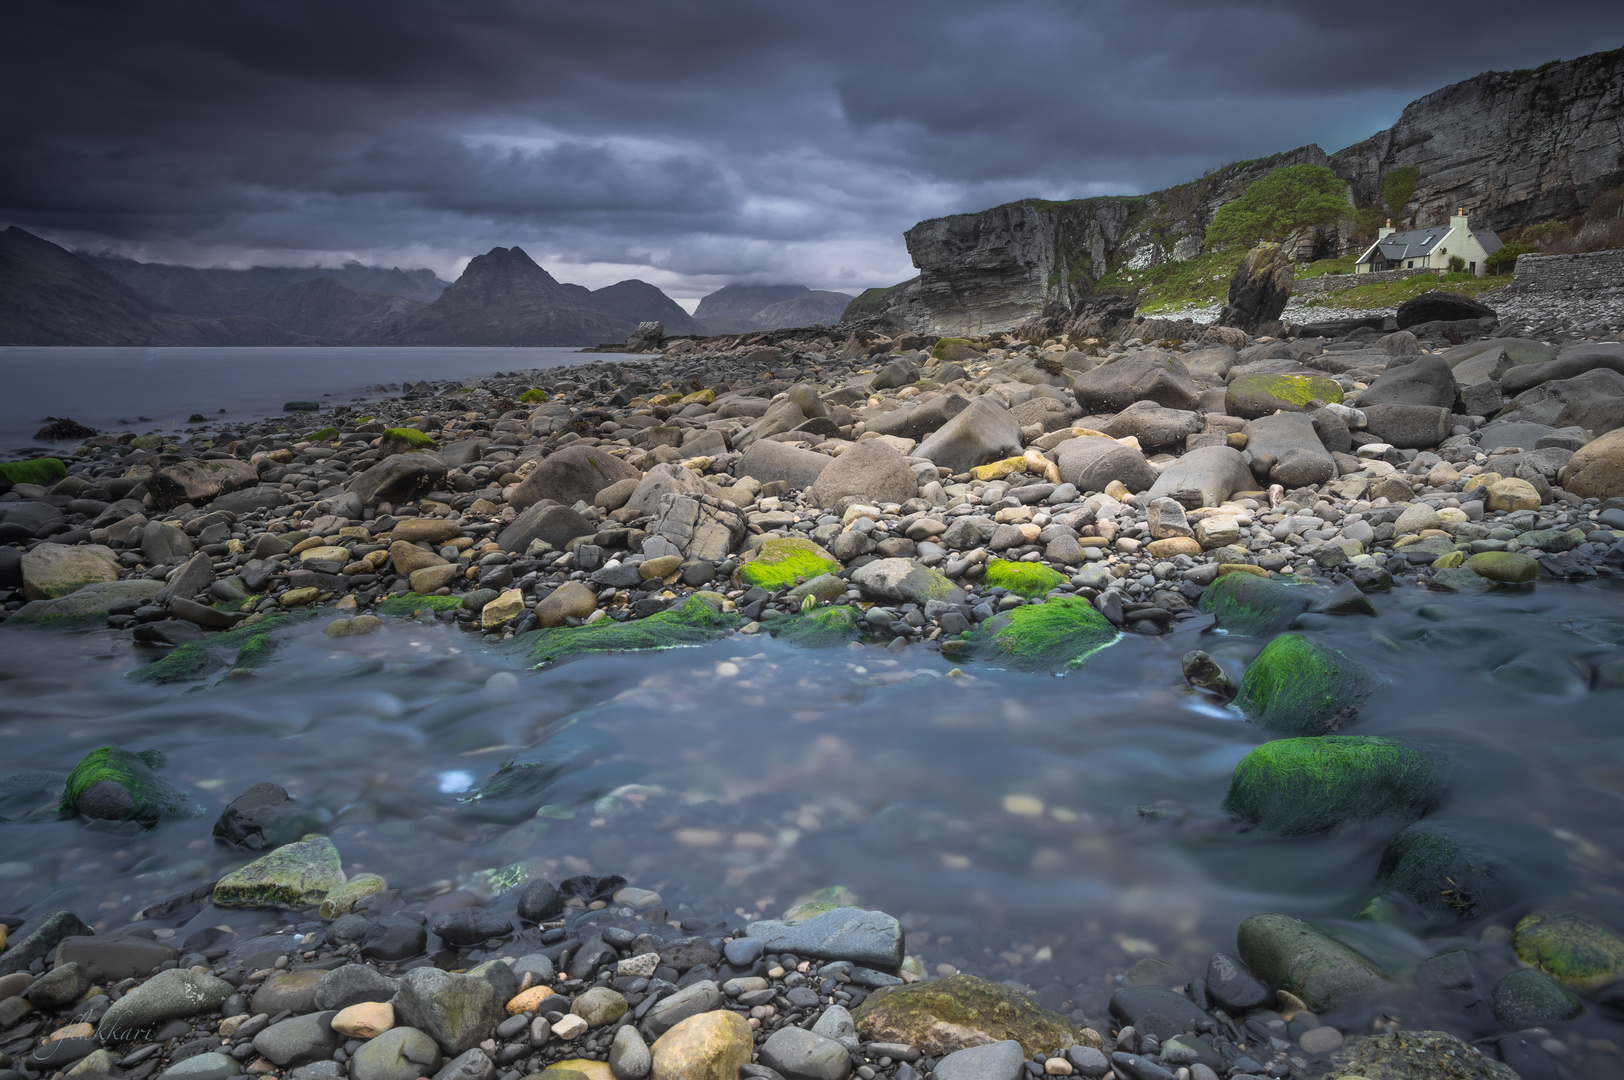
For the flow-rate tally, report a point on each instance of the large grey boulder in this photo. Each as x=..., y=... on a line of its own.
x=1092, y=462
x=1259, y=289
x=457, y=1011
x=780, y=417
x=1290, y=448
x=872, y=470
x=1137, y=377
x=695, y=527
x=168, y=995
x=1408, y=427
x=1155, y=426
x=548, y=522
x=667, y=479
x=161, y=541
x=700, y=997
x=574, y=474
x=804, y=1055
x=918, y=420
x=983, y=432
x=1593, y=400
x=1216, y=471
x=1423, y=380
x=399, y=478
x=1572, y=362
x=796, y=466
x=1291, y=955
x=401, y=1053
x=869, y=938
x=1155, y=1011
x=199, y=480
x=1439, y=305
x=905, y=581
x=996, y=1061
x=299, y=1040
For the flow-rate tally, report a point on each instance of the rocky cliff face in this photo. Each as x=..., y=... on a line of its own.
x=1512, y=148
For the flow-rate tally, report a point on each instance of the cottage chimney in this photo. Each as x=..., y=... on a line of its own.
x=1386, y=231
x=1459, y=220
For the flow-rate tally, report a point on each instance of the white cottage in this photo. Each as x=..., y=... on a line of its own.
x=1430, y=249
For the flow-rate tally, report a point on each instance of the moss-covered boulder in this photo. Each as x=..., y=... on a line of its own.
x=113, y=784
x=1300, y=959
x=84, y=608
x=945, y=1015
x=43, y=471
x=245, y=646
x=819, y=628
x=1505, y=567
x=1445, y=872
x=54, y=570
x=1297, y=686
x=533, y=396
x=825, y=588
x=1295, y=787
x=1252, y=605
x=694, y=623
x=295, y=875
x=1061, y=633
x=406, y=605
x=400, y=440
x=1026, y=579
x=1262, y=394
x=1415, y=1055
x=1572, y=949
x=1458, y=579
x=950, y=350
x=783, y=560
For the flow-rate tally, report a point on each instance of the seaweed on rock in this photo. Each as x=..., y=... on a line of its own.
x=694, y=623
x=1254, y=606
x=1062, y=632
x=782, y=560
x=115, y=784
x=1296, y=787
x=1297, y=686
x=247, y=645
x=1028, y=579
x=819, y=628
x=405, y=605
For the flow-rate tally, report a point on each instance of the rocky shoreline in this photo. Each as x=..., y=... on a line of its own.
x=1020, y=503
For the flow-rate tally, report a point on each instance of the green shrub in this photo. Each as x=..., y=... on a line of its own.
x=1288, y=199
x=1457, y=265
x=1506, y=257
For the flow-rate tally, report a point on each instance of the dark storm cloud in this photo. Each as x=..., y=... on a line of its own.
x=688, y=143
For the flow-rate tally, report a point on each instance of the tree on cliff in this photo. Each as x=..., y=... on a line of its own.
x=1288, y=199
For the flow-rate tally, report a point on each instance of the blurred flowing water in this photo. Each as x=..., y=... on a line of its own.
x=1022, y=827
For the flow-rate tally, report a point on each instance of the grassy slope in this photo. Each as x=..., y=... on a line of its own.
x=1392, y=293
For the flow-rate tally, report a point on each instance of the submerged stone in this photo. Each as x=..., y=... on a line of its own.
x=1028, y=579
x=944, y=1015
x=1579, y=952
x=295, y=875
x=1300, y=959
x=1297, y=686
x=694, y=623
x=405, y=605
x=1060, y=633
x=778, y=562
x=247, y=645
x=1295, y=787
x=265, y=817
x=871, y=938
x=1505, y=567
x=113, y=784
x=819, y=628
x=1415, y=1055
x=1530, y=998
x=1447, y=874
x=1252, y=605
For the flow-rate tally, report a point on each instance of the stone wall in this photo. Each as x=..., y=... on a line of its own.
x=1319, y=286
x=1585, y=272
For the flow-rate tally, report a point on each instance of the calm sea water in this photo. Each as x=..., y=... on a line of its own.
x=1023, y=827
x=114, y=389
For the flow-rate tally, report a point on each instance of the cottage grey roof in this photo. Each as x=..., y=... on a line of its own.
x=1491, y=243
x=1412, y=243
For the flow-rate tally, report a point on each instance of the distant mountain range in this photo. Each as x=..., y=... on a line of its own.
x=51, y=296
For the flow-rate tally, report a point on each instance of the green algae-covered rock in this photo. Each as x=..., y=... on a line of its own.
x=1574, y=950
x=84, y=608
x=1252, y=605
x=819, y=628
x=1506, y=567
x=778, y=562
x=244, y=646
x=1552, y=539
x=1295, y=787
x=43, y=471
x=112, y=784
x=405, y=605
x=1445, y=872
x=1414, y=1055
x=1026, y=579
x=1060, y=633
x=341, y=899
x=1530, y=998
x=1300, y=959
x=1297, y=686
x=326, y=434
x=404, y=440
x=1253, y=396
x=295, y=875
x=827, y=588
x=948, y=349
x=944, y=1015
x=694, y=623
x=533, y=396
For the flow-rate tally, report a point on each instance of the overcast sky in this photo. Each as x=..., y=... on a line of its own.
x=690, y=144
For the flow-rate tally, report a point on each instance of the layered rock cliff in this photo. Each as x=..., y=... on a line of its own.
x=1512, y=148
